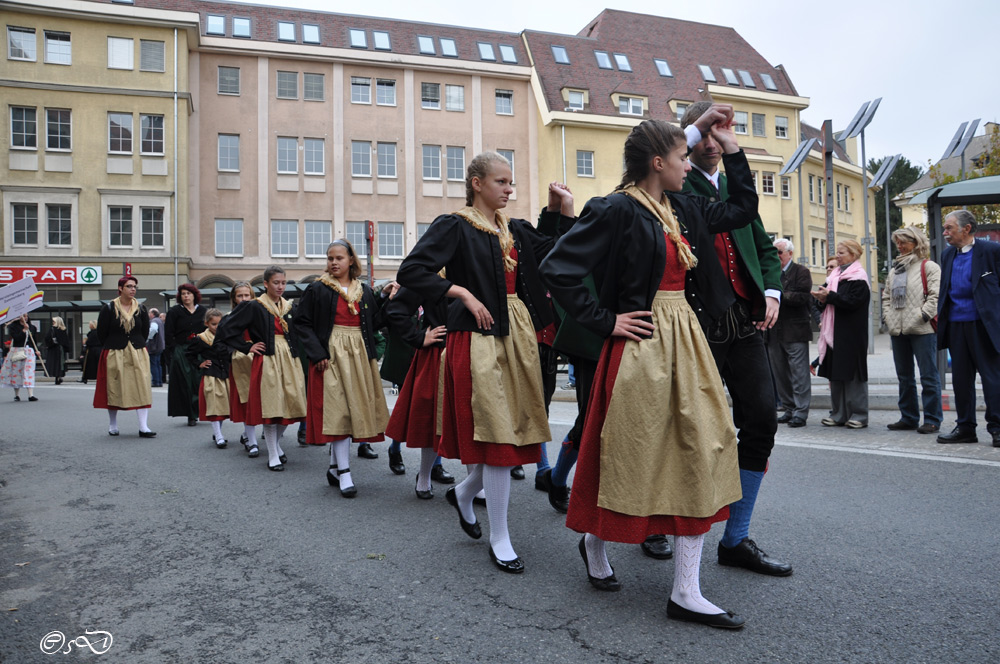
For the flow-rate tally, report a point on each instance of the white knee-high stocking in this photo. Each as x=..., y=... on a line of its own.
x=217, y=432
x=427, y=458
x=687, y=575
x=597, y=556
x=340, y=453
x=277, y=439
x=112, y=421
x=467, y=489
x=143, y=414
x=271, y=440
x=496, y=483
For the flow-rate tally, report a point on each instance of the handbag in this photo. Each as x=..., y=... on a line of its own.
x=923, y=278
x=18, y=355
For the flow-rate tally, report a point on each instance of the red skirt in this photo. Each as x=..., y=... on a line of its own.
x=237, y=409
x=201, y=405
x=413, y=416
x=314, y=414
x=101, y=388
x=254, y=412
x=456, y=440
x=585, y=516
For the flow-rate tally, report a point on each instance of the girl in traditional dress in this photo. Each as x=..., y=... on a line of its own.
x=336, y=320
x=493, y=407
x=213, y=361
x=184, y=320
x=124, y=381
x=19, y=365
x=240, y=367
x=658, y=450
x=277, y=387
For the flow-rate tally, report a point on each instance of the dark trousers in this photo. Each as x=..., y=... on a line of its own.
x=971, y=353
x=583, y=372
x=155, y=370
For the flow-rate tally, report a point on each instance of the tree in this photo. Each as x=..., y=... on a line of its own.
x=988, y=163
x=902, y=177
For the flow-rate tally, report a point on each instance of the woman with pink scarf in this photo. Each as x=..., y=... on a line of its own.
x=843, y=338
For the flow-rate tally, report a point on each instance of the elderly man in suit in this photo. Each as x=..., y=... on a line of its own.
x=969, y=323
x=788, y=341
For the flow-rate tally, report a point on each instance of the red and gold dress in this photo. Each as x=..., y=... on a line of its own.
x=240, y=368
x=415, y=417
x=277, y=387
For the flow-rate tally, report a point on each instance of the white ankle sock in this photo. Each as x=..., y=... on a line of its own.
x=687, y=573
x=217, y=431
x=597, y=557
x=271, y=440
x=342, y=455
x=112, y=420
x=427, y=458
x=250, y=433
x=467, y=489
x=143, y=414
x=496, y=483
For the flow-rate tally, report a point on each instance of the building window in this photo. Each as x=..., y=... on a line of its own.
x=509, y=156
x=430, y=95
x=284, y=238
x=768, y=82
x=151, y=55
x=456, y=163
x=819, y=190
x=818, y=251
x=585, y=163
x=622, y=61
x=448, y=47
x=838, y=197
x=387, y=160
x=786, y=187
x=228, y=237
x=26, y=224
x=747, y=79
x=603, y=60
x=507, y=54
x=229, y=80
x=681, y=110
x=560, y=55
x=120, y=226
x=315, y=156
x=454, y=97
x=758, y=124
x=152, y=227
x=286, y=31
x=662, y=67
x=390, y=239
x=486, y=51
x=229, y=152
x=767, y=183
x=310, y=33
x=847, y=198
x=385, y=92
x=361, y=159
x=432, y=162
x=120, y=133
x=505, y=102
x=812, y=190
x=381, y=39
x=21, y=44
x=58, y=48
x=357, y=235
x=753, y=174
x=781, y=127
x=313, y=87
x=58, y=129
x=358, y=38
x=216, y=25
x=575, y=101
x=426, y=45
x=23, y=127
x=730, y=76
x=630, y=105
x=288, y=85
x=421, y=229
x=361, y=90
x=120, y=53
x=241, y=27
x=740, y=122
x=288, y=155
x=60, y=230
x=706, y=73
x=151, y=134
x=318, y=237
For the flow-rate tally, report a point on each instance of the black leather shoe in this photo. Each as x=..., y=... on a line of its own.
x=748, y=555
x=515, y=566
x=152, y=434
x=958, y=435
x=559, y=497
x=253, y=451
x=301, y=436
x=543, y=480
x=471, y=529
x=396, y=464
x=244, y=440
x=727, y=620
x=113, y=433
x=796, y=422
x=346, y=492
x=441, y=476
x=276, y=468
x=32, y=398
x=928, y=428
x=657, y=546
x=192, y=421
x=422, y=495
x=785, y=418
x=331, y=476
x=608, y=583
x=996, y=438
x=365, y=451
x=479, y=501
x=283, y=458
x=517, y=472
x=901, y=425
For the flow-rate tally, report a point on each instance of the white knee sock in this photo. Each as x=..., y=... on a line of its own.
x=143, y=414
x=687, y=572
x=427, y=458
x=342, y=455
x=496, y=483
x=271, y=440
x=250, y=433
x=467, y=489
x=597, y=557
x=333, y=457
x=112, y=420
x=217, y=431
x=277, y=439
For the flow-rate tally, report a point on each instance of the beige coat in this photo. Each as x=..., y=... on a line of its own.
x=915, y=316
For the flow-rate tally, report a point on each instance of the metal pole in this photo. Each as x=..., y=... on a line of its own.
x=564, y=153
x=888, y=242
x=802, y=222
x=869, y=242
x=177, y=197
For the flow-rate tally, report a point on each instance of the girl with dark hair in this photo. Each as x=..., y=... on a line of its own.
x=240, y=367
x=493, y=406
x=277, y=388
x=184, y=320
x=336, y=320
x=213, y=362
x=656, y=455
x=124, y=381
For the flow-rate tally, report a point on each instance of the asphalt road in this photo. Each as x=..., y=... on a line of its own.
x=185, y=553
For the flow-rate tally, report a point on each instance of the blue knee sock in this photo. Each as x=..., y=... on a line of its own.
x=437, y=461
x=567, y=457
x=738, y=526
x=543, y=463
x=394, y=447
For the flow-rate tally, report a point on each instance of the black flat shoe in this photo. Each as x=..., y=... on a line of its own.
x=365, y=451
x=748, y=555
x=608, y=583
x=471, y=529
x=727, y=620
x=253, y=451
x=517, y=472
x=32, y=398
x=559, y=498
x=283, y=458
x=396, y=464
x=17, y=398
x=543, y=480
x=785, y=418
x=515, y=566
x=277, y=468
x=658, y=547
x=152, y=434
x=301, y=437
x=112, y=433
x=958, y=435
x=479, y=501
x=422, y=495
x=192, y=421
x=441, y=476
x=346, y=492
x=244, y=440
x=331, y=476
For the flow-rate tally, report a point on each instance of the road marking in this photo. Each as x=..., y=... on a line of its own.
x=892, y=453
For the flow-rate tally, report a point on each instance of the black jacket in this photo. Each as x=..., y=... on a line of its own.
x=849, y=357
x=112, y=335
x=400, y=314
x=182, y=324
x=198, y=351
x=315, y=316
x=796, y=305
x=250, y=316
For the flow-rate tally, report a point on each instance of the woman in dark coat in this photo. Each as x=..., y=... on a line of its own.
x=91, y=354
x=56, y=347
x=843, y=338
x=184, y=320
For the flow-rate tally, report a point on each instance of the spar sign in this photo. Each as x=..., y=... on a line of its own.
x=58, y=275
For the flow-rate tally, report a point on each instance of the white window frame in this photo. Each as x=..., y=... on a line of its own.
x=226, y=150
x=314, y=77
x=361, y=159
x=131, y=131
x=381, y=40
x=319, y=234
x=585, y=163
x=504, y=99
x=425, y=45
x=59, y=135
x=707, y=74
x=454, y=98
x=603, y=60
x=781, y=126
x=430, y=162
x=219, y=81
x=142, y=227
x=560, y=54
x=449, y=48
x=621, y=61
x=142, y=134
x=812, y=189
x=740, y=121
x=507, y=54
x=151, y=60
x=386, y=157
x=31, y=56
x=509, y=156
x=121, y=233
x=387, y=249
x=243, y=21
x=283, y=31
x=283, y=144
x=228, y=235
x=25, y=134
x=278, y=78
x=847, y=198
x=310, y=33
x=431, y=103
x=218, y=20
x=681, y=110
x=282, y=227
x=121, y=53
x=381, y=85
x=486, y=51
x=356, y=233
x=786, y=187
x=361, y=90
x=767, y=183
x=309, y=156
x=54, y=54
x=663, y=67
x=630, y=104
x=25, y=231
x=455, y=163
x=357, y=37
x=49, y=207
x=577, y=97
x=759, y=119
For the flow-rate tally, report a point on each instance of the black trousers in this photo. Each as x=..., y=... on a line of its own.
x=972, y=353
x=583, y=373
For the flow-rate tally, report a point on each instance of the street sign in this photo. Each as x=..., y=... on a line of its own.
x=54, y=275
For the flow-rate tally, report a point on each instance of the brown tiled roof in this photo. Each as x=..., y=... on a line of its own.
x=333, y=28
x=683, y=44
x=809, y=131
